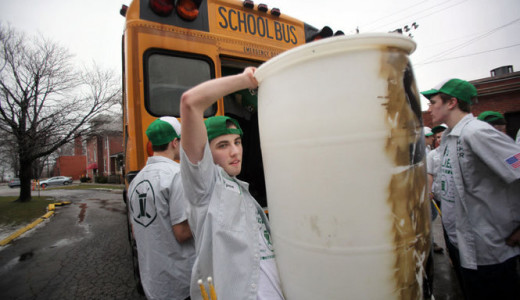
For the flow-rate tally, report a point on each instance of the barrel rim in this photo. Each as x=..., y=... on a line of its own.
x=334, y=45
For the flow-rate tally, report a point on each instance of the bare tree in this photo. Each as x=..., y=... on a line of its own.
x=8, y=156
x=44, y=100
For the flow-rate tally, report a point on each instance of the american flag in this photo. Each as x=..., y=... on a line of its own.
x=514, y=161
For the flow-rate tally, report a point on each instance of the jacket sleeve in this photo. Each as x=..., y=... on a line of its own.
x=498, y=151
x=198, y=179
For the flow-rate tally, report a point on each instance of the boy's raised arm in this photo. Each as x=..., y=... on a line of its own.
x=197, y=99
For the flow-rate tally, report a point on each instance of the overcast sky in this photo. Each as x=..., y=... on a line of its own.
x=455, y=38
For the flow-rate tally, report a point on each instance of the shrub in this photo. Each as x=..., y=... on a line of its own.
x=101, y=179
x=116, y=179
x=85, y=179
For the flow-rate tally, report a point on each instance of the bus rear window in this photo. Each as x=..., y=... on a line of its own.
x=167, y=76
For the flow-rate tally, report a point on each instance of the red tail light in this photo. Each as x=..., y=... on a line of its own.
x=162, y=7
x=188, y=9
x=123, y=10
x=149, y=149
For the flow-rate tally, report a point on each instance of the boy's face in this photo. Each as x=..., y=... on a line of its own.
x=501, y=128
x=428, y=140
x=227, y=153
x=438, y=109
x=438, y=137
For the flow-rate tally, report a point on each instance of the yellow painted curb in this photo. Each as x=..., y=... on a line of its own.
x=19, y=232
x=47, y=215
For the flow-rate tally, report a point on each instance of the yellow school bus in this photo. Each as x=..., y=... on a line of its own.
x=170, y=46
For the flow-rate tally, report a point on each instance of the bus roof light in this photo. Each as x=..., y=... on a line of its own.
x=275, y=12
x=248, y=4
x=262, y=7
x=325, y=32
x=123, y=10
x=162, y=7
x=188, y=9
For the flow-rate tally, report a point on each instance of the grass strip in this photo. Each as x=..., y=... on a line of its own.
x=16, y=213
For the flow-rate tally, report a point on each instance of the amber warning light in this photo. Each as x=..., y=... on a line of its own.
x=188, y=9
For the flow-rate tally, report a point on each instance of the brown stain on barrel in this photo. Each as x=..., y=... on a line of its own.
x=407, y=188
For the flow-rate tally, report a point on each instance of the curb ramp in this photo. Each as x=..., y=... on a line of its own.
x=50, y=211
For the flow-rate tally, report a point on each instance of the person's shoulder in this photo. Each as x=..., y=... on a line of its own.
x=170, y=168
x=485, y=128
x=476, y=128
x=481, y=135
x=476, y=124
x=160, y=162
x=164, y=169
x=173, y=165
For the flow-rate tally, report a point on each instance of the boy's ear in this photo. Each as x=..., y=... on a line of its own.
x=452, y=103
x=176, y=142
x=173, y=143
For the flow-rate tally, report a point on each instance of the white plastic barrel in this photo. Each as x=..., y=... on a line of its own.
x=343, y=152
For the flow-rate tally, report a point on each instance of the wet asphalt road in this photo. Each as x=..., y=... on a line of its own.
x=81, y=252
x=445, y=283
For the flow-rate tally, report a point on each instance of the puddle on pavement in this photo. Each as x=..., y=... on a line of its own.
x=105, y=205
x=82, y=212
x=10, y=264
x=63, y=242
x=26, y=256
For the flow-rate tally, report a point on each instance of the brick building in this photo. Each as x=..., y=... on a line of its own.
x=72, y=165
x=104, y=148
x=499, y=92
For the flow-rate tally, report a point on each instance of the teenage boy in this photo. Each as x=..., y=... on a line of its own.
x=428, y=139
x=166, y=250
x=437, y=135
x=479, y=182
x=231, y=231
x=432, y=168
x=495, y=119
x=433, y=160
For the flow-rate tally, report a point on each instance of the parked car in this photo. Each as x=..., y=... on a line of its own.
x=14, y=182
x=58, y=180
